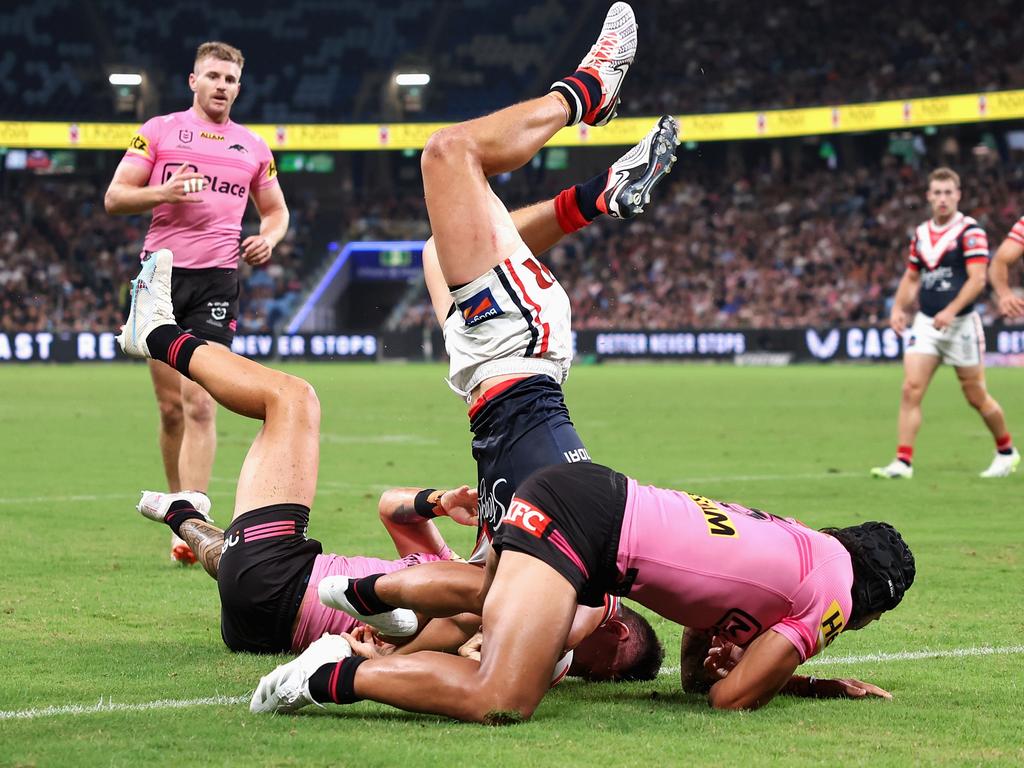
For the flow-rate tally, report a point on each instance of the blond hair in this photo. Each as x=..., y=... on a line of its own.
x=221, y=51
x=944, y=174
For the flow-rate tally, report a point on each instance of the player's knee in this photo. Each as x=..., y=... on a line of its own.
x=977, y=396
x=445, y=147
x=301, y=397
x=913, y=391
x=496, y=702
x=199, y=410
x=172, y=417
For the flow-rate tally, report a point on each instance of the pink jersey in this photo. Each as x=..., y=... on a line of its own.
x=315, y=618
x=234, y=160
x=712, y=565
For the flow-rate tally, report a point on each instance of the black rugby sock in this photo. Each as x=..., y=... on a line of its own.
x=362, y=594
x=582, y=91
x=588, y=193
x=334, y=683
x=179, y=512
x=171, y=345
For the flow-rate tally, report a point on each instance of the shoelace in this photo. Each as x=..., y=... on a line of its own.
x=604, y=47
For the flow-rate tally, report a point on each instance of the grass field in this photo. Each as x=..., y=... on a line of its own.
x=92, y=610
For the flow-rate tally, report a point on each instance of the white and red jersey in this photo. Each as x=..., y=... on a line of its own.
x=234, y=160
x=514, y=318
x=1017, y=233
x=941, y=255
x=736, y=571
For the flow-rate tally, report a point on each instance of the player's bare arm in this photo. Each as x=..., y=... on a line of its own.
x=906, y=293
x=128, y=192
x=759, y=674
x=972, y=289
x=273, y=211
x=1010, y=304
x=406, y=514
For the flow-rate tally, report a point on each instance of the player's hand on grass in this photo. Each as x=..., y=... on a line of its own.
x=471, y=648
x=1011, y=305
x=943, y=320
x=722, y=657
x=849, y=688
x=460, y=504
x=256, y=250
x=183, y=186
x=366, y=642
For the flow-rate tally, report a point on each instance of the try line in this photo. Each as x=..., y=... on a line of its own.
x=110, y=706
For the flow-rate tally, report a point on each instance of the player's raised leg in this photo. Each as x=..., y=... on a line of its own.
x=472, y=229
x=281, y=466
x=197, y=532
x=917, y=374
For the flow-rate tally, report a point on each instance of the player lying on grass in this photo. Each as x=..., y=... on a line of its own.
x=268, y=571
x=771, y=591
x=505, y=317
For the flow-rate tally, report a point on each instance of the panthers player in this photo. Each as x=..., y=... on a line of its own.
x=946, y=269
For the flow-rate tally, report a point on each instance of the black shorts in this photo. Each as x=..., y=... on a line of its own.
x=263, y=576
x=570, y=517
x=206, y=302
x=526, y=427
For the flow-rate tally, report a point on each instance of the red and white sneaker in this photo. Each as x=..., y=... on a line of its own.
x=632, y=177
x=609, y=61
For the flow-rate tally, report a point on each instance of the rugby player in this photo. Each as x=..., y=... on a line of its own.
x=196, y=170
x=946, y=271
x=505, y=317
x=776, y=590
x=1009, y=252
x=267, y=570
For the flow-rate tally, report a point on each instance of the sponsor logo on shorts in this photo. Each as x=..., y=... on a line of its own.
x=489, y=508
x=526, y=517
x=832, y=623
x=576, y=455
x=480, y=308
x=229, y=541
x=719, y=523
x=218, y=309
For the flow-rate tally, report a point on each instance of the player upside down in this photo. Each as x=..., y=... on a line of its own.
x=773, y=591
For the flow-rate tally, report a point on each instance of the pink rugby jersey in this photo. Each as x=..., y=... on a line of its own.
x=234, y=160
x=315, y=618
x=713, y=565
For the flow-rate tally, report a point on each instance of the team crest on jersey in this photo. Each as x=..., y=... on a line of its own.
x=832, y=623
x=185, y=136
x=238, y=148
x=480, y=308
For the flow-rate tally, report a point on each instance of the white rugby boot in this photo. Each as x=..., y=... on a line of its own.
x=155, y=504
x=1003, y=465
x=286, y=688
x=151, y=303
x=632, y=177
x=400, y=622
x=609, y=60
x=895, y=469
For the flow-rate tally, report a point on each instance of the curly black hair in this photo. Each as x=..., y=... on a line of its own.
x=883, y=566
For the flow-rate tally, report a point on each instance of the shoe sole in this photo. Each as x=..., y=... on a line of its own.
x=631, y=196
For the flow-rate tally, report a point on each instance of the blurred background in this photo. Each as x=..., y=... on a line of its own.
x=778, y=237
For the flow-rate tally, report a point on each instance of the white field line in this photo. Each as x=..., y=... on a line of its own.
x=950, y=653
x=109, y=706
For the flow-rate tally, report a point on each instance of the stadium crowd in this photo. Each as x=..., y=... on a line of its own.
x=697, y=57
x=66, y=265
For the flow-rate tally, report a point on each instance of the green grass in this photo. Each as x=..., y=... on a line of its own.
x=91, y=608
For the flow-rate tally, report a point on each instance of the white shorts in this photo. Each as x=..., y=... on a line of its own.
x=514, y=318
x=961, y=345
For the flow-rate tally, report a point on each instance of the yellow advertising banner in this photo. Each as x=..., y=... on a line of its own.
x=729, y=126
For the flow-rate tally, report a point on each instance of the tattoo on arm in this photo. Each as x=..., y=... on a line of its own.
x=207, y=541
x=405, y=514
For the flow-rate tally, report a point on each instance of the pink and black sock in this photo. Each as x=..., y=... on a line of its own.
x=170, y=344
x=577, y=206
x=362, y=595
x=582, y=91
x=905, y=453
x=334, y=683
x=179, y=512
x=1004, y=444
